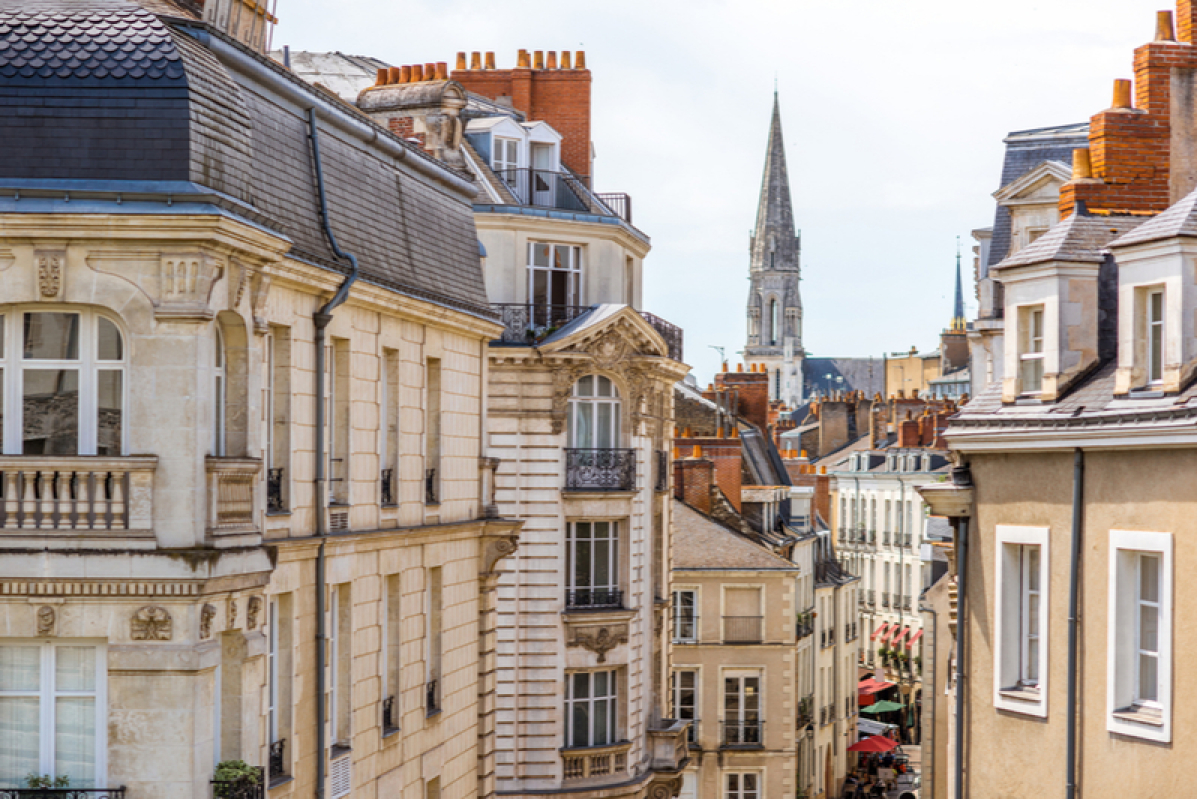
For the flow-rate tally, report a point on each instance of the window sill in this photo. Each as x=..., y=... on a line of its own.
x=390, y=732
x=338, y=750
x=273, y=513
x=1139, y=715
x=1022, y=694
x=280, y=781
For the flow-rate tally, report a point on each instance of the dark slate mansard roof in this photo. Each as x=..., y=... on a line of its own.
x=99, y=97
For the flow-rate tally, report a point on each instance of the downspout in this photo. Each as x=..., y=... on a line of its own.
x=1073, y=617
x=960, y=656
x=321, y=320
x=932, y=683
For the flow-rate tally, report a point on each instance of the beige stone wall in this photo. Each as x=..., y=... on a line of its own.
x=1149, y=490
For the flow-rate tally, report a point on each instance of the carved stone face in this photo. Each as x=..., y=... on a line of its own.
x=45, y=620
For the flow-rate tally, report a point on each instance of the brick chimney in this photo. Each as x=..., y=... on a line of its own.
x=753, y=394
x=1142, y=150
x=909, y=432
x=550, y=91
x=694, y=481
x=725, y=457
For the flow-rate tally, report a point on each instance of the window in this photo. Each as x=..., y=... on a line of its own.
x=684, y=684
x=340, y=660
x=433, y=632
x=1154, y=336
x=505, y=162
x=279, y=676
x=433, y=430
x=338, y=429
x=279, y=413
x=389, y=409
x=219, y=387
x=743, y=615
x=1139, y=634
x=592, y=565
x=773, y=320
x=743, y=721
x=591, y=708
x=1032, y=345
x=741, y=786
x=595, y=414
x=686, y=621
x=53, y=717
x=1021, y=619
x=390, y=654
x=65, y=371
x=555, y=282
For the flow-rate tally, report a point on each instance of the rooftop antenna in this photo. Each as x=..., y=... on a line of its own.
x=720, y=350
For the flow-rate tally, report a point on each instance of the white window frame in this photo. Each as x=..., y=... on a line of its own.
x=1032, y=319
x=272, y=670
x=220, y=392
x=591, y=406
x=1011, y=692
x=613, y=545
x=46, y=694
x=1122, y=714
x=745, y=714
x=1151, y=325
x=677, y=618
x=591, y=703
x=573, y=270
x=676, y=697
x=88, y=366
x=741, y=792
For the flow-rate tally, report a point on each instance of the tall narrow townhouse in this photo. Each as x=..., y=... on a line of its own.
x=1076, y=616
x=245, y=515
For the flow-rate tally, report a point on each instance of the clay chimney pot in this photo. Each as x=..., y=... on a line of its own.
x=430, y=71
x=475, y=59
x=566, y=59
x=460, y=61
x=522, y=59
x=489, y=60
x=739, y=367
x=551, y=60
x=697, y=452
x=381, y=76
x=440, y=71
x=1165, y=30
x=539, y=61
x=418, y=74
x=403, y=75
x=580, y=61
x=1122, y=93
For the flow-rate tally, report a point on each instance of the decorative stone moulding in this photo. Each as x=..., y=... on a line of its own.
x=208, y=614
x=50, y=268
x=498, y=548
x=46, y=619
x=231, y=613
x=253, y=610
x=151, y=623
x=185, y=285
x=599, y=639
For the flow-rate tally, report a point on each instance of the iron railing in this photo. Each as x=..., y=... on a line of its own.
x=275, y=490
x=804, y=628
x=277, y=760
x=601, y=469
x=619, y=203
x=804, y=712
x=387, y=487
x=829, y=637
x=431, y=492
x=433, y=699
x=672, y=334
x=594, y=598
x=245, y=788
x=64, y=793
x=887, y=538
x=885, y=601
x=747, y=734
x=693, y=733
x=530, y=323
x=544, y=188
x=907, y=603
x=662, y=470
x=896, y=601
x=743, y=629
x=389, y=715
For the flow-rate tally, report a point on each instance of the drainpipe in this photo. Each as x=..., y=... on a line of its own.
x=960, y=656
x=931, y=684
x=1073, y=617
x=321, y=320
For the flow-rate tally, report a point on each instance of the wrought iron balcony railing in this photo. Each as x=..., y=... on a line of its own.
x=277, y=760
x=387, y=487
x=530, y=323
x=885, y=601
x=601, y=469
x=545, y=188
x=245, y=788
x=69, y=793
x=693, y=733
x=431, y=487
x=390, y=722
x=804, y=712
x=672, y=334
x=741, y=734
x=275, y=501
x=804, y=629
x=619, y=203
x=589, y=598
x=743, y=629
x=433, y=698
x=896, y=601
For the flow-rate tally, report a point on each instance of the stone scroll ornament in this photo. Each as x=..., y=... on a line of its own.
x=600, y=640
x=497, y=549
x=151, y=623
x=208, y=614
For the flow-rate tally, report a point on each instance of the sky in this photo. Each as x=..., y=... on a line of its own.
x=894, y=116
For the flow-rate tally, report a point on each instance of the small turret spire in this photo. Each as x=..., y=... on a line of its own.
x=959, y=321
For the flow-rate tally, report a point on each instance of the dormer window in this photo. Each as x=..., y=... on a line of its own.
x=1032, y=348
x=1154, y=335
x=505, y=162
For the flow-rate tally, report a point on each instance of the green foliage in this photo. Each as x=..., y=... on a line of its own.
x=46, y=781
x=236, y=771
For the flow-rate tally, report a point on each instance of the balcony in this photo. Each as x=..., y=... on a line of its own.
x=80, y=793
x=77, y=496
x=433, y=698
x=596, y=761
x=277, y=770
x=529, y=324
x=619, y=203
x=247, y=787
x=804, y=712
x=231, y=484
x=741, y=734
x=594, y=598
x=387, y=488
x=743, y=629
x=828, y=637
x=907, y=603
x=885, y=601
x=601, y=469
x=804, y=626
x=563, y=191
x=390, y=721
x=668, y=744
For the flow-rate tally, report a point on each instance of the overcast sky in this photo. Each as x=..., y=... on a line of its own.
x=893, y=116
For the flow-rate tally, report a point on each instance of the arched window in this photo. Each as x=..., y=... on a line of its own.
x=218, y=443
x=773, y=321
x=62, y=373
x=595, y=414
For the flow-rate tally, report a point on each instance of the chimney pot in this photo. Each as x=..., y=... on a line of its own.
x=442, y=73
x=418, y=74
x=551, y=60
x=675, y=453
x=724, y=366
x=697, y=452
x=822, y=470
x=489, y=60
x=539, y=61
x=475, y=59
x=1165, y=31
x=381, y=76
x=566, y=59
x=430, y=71
x=739, y=367
x=460, y=61
x=580, y=61
x=803, y=453
x=721, y=432
x=1122, y=93
x=522, y=59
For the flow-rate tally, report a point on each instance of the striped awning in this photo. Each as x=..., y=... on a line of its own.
x=914, y=639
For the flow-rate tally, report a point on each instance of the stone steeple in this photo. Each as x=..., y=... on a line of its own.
x=959, y=320
x=773, y=310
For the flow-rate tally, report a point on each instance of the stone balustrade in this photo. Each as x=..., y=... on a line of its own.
x=231, y=486
x=77, y=494
x=596, y=761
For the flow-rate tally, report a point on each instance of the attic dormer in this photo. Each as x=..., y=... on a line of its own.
x=1032, y=202
x=1156, y=279
x=1059, y=306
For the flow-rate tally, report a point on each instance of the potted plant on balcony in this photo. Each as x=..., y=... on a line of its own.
x=235, y=779
x=38, y=783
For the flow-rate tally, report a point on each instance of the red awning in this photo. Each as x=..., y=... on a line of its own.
x=871, y=686
x=875, y=634
x=913, y=640
x=900, y=633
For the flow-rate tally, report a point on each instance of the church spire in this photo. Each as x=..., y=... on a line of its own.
x=959, y=321
x=775, y=246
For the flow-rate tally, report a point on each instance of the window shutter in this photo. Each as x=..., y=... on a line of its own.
x=339, y=777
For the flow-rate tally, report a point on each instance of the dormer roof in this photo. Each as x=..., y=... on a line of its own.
x=1026, y=188
x=1080, y=238
x=1178, y=220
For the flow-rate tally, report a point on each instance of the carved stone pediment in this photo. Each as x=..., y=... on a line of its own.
x=599, y=638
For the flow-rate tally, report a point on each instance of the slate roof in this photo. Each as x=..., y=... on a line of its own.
x=102, y=90
x=702, y=544
x=1178, y=220
x=1080, y=238
x=858, y=374
x=1024, y=150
